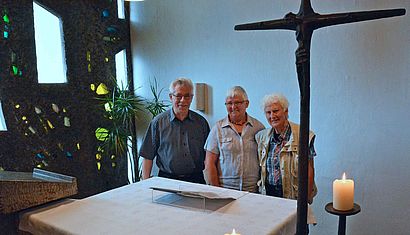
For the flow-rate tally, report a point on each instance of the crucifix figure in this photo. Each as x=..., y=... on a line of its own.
x=304, y=23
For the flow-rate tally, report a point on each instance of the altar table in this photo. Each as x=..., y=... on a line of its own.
x=131, y=210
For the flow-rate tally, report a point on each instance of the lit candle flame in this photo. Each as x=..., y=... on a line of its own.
x=344, y=176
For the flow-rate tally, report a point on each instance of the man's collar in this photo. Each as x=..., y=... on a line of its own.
x=225, y=122
x=173, y=117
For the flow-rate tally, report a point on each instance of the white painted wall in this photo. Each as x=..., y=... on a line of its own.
x=360, y=88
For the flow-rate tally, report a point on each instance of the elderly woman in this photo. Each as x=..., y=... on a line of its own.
x=231, y=159
x=278, y=152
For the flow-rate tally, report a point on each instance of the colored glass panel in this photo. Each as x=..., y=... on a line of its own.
x=67, y=122
x=107, y=39
x=32, y=129
x=112, y=29
x=102, y=89
x=60, y=146
x=13, y=57
x=44, y=125
x=39, y=155
x=106, y=13
x=37, y=110
x=101, y=133
x=50, y=124
x=108, y=106
x=6, y=18
x=55, y=108
x=98, y=156
x=14, y=69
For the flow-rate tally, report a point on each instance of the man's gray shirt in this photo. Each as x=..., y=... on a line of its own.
x=178, y=145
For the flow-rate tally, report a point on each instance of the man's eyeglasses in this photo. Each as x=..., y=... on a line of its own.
x=236, y=103
x=179, y=96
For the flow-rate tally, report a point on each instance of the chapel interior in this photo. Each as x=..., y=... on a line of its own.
x=54, y=114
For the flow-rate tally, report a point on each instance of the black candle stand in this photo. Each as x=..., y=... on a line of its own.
x=342, y=215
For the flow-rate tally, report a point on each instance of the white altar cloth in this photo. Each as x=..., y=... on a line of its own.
x=131, y=210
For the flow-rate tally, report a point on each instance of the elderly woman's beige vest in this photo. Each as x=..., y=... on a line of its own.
x=288, y=161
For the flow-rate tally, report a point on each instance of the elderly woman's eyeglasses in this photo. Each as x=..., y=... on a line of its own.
x=235, y=104
x=180, y=96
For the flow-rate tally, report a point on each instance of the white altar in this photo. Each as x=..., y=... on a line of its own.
x=134, y=209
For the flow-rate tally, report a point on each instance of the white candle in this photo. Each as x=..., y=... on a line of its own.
x=343, y=194
x=233, y=233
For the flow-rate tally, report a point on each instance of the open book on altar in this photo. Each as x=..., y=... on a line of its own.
x=219, y=194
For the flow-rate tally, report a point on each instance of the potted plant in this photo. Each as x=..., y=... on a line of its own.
x=122, y=109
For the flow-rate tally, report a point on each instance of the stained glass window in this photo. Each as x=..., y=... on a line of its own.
x=121, y=69
x=130, y=161
x=121, y=12
x=48, y=30
x=3, y=126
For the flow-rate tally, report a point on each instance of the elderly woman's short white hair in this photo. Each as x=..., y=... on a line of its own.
x=237, y=91
x=275, y=98
x=182, y=82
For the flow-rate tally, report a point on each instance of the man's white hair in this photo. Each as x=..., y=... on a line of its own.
x=182, y=82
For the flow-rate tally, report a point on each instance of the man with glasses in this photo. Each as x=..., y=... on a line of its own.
x=176, y=137
x=231, y=150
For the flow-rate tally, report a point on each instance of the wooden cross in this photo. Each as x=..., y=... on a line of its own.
x=304, y=23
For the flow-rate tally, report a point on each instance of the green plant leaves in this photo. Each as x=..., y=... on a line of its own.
x=156, y=106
